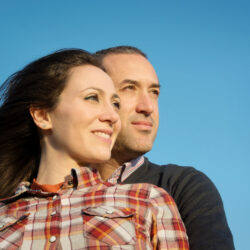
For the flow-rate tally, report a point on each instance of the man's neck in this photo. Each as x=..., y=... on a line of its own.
x=106, y=169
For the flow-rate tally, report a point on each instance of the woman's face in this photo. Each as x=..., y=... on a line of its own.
x=85, y=122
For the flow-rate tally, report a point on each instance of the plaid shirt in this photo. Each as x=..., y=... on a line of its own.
x=87, y=213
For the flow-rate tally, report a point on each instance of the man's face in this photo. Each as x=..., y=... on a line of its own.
x=137, y=85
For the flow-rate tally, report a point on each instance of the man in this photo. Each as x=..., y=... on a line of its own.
x=197, y=198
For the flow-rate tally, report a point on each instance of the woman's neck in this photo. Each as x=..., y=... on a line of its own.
x=54, y=166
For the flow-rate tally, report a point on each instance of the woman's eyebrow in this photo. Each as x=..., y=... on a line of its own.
x=115, y=96
x=94, y=88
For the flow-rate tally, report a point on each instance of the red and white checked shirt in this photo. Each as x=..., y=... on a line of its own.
x=91, y=214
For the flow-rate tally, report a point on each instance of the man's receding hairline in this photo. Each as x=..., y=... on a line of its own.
x=101, y=54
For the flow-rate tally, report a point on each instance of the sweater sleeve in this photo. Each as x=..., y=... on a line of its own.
x=201, y=209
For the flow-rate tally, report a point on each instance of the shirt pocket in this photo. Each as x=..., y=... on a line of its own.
x=12, y=231
x=110, y=225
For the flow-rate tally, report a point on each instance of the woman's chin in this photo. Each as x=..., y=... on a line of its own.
x=99, y=158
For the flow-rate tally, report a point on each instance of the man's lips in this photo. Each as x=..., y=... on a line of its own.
x=143, y=125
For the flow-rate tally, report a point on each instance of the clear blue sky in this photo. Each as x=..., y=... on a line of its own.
x=201, y=52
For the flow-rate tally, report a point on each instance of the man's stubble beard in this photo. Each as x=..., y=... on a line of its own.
x=127, y=148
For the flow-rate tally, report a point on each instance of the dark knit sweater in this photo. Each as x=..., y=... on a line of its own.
x=198, y=201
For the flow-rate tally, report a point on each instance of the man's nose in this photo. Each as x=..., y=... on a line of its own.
x=145, y=104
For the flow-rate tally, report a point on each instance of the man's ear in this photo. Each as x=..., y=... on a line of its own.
x=41, y=118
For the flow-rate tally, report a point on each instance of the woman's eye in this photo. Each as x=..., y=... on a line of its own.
x=117, y=105
x=92, y=97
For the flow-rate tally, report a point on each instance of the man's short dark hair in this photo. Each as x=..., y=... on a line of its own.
x=119, y=50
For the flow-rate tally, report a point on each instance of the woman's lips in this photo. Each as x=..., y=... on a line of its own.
x=104, y=135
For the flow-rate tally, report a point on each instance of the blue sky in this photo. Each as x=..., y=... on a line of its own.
x=201, y=52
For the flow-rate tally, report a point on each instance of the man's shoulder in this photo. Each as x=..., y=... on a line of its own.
x=168, y=168
x=172, y=177
x=150, y=170
x=198, y=201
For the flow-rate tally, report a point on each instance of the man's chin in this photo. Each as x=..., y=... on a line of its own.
x=130, y=151
x=142, y=149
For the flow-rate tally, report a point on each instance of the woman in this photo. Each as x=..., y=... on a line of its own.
x=57, y=118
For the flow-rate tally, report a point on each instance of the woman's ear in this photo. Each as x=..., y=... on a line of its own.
x=41, y=118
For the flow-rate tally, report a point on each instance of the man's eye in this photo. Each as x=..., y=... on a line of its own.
x=117, y=105
x=92, y=97
x=129, y=87
x=156, y=92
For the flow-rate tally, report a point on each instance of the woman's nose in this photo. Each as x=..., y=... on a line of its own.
x=109, y=115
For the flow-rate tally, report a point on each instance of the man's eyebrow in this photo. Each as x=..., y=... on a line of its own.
x=129, y=81
x=153, y=85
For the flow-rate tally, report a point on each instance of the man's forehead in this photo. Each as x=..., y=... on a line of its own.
x=122, y=59
x=129, y=66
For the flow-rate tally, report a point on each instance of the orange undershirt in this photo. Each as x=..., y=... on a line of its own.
x=46, y=187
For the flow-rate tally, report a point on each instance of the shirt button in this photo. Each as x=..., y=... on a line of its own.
x=109, y=212
x=52, y=239
x=54, y=197
x=53, y=213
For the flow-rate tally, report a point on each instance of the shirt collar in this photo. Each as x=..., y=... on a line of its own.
x=85, y=177
x=124, y=171
x=80, y=177
x=135, y=163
